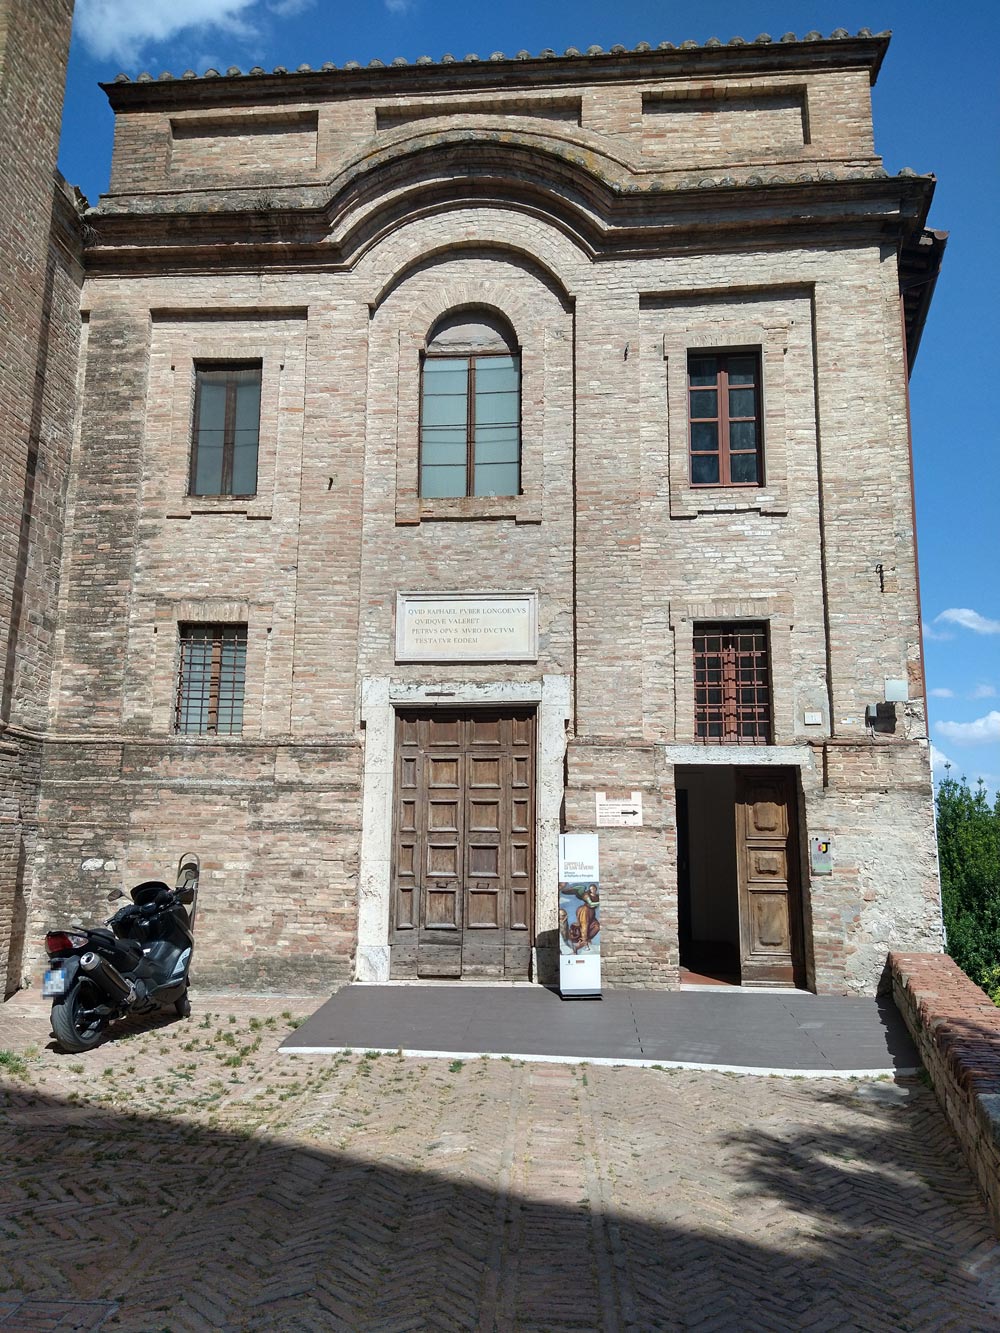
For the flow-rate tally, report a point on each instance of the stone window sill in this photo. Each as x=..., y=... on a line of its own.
x=218, y=505
x=521, y=508
x=695, y=500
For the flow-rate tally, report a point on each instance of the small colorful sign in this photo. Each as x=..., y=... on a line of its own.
x=821, y=854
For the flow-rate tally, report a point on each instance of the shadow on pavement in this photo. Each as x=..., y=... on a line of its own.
x=189, y=1228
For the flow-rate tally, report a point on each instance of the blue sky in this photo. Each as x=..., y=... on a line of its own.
x=936, y=109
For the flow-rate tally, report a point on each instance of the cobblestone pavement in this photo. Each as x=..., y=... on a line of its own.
x=191, y=1178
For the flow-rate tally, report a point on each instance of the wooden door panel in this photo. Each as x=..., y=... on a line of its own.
x=445, y=729
x=769, y=897
x=770, y=928
x=520, y=909
x=440, y=909
x=522, y=730
x=483, y=860
x=484, y=816
x=520, y=862
x=767, y=817
x=520, y=815
x=442, y=773
x=406, y=906
x=442, y=816
x=406, y=862
x=463, y=856
x=483, y=908
x=484, y=772
x=442, y=861
x=407, y=730
x=767, y=865
x=485, y=729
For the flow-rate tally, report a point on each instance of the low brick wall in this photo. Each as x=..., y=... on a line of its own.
x=957, y=1032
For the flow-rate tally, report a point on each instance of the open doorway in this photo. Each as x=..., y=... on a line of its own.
x=739, y=902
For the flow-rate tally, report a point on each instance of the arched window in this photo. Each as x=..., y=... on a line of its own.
x=470, y=408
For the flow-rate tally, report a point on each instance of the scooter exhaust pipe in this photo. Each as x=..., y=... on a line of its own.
x=107, y=977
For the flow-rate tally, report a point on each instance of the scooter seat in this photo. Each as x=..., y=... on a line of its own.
x=125, y=949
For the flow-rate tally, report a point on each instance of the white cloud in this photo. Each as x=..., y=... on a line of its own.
x=399, y=6
x=941, y=693
x=122, y=29
x=983, y=691
x=289, y=8
x=962, y=615
x=930, y=632
x=983, y=731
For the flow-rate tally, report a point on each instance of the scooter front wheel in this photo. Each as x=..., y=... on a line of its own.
x=75, y=1026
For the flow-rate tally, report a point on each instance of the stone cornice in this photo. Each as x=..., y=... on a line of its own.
x=333, y=231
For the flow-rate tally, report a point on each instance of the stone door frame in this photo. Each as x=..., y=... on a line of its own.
x=380, y=697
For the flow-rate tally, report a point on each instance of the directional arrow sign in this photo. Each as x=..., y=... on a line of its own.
x=618, y=813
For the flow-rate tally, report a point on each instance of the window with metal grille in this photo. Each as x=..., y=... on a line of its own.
x=470, y=409
x=226, y=432
x=724, y=417
x=211, y=679
x=732, y=687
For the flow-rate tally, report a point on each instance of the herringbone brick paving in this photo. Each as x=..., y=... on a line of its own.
x=190, y=1178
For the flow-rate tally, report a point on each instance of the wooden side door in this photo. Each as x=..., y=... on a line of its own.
x=768, y=866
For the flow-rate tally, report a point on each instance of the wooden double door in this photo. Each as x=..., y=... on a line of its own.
x=463, y=843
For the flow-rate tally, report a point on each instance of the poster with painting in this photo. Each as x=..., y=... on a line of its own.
x=579, y=918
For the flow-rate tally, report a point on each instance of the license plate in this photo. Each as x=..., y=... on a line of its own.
x=54, y=983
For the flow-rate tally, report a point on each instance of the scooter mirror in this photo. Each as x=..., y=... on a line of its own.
x=114, y=895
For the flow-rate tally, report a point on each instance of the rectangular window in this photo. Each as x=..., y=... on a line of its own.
x=226, y=429
x=732, y=686
x=211, y=680
x=724, y=419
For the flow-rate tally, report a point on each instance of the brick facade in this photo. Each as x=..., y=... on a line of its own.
x=619, y=212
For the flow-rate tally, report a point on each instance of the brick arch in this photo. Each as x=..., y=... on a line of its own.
x=572, y=187
x=472, y=308
x=542, y=251
x=515, y=303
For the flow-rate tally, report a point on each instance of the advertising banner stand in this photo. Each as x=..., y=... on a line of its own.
x=579, y=916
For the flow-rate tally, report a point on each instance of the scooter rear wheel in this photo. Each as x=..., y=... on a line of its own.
x=183, y=1006
x=74, y=1029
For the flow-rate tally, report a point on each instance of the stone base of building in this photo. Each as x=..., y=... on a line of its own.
x=296, y=848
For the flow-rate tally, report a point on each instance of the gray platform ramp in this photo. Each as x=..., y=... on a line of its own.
x=739, y=1030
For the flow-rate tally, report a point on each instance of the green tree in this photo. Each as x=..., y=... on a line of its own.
x=968, y=830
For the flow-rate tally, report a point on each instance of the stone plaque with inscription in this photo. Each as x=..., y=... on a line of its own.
x=466, y=627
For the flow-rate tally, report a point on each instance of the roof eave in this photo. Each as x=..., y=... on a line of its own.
x=165, y=91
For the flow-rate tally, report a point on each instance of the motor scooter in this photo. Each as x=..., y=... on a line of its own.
x=138, y=966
